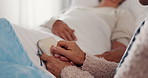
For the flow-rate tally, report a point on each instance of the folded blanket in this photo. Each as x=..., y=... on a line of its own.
x=14, y=61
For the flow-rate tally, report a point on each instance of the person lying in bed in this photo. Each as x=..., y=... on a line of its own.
x=120, y=23
x=133, y=64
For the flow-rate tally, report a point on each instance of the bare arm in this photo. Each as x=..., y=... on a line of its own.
x=116, y=52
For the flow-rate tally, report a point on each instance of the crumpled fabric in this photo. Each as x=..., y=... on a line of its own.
x=14, y=61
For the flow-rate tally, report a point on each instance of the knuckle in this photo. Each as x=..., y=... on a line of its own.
x=59, y=42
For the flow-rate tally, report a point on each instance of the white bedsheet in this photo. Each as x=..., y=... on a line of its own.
x=29, y=38
x=92, y=41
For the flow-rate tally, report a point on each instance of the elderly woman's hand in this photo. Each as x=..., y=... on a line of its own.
x=70, y=50
x=54, y=65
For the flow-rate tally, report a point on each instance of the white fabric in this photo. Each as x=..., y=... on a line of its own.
x=132, y=5
x=96, y=27
x=87, y=29
x=29, y=39
x=90, y=3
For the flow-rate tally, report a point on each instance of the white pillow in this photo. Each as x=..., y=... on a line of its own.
x=85, y=3
x=132, y=5
x=135, y=7
x=139, y=11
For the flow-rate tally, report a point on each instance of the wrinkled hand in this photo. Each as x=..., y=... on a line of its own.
x=70, y=50
x=62, y=30
x=54, y=65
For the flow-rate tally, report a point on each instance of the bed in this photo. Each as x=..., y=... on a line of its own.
x=29, y=37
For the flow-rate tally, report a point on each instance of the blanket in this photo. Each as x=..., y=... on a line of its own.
x=14, y=61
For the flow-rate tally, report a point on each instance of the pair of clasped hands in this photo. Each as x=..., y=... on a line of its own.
x=66, y=53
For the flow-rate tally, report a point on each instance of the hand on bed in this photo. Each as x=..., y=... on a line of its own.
x=70, y=50
x=62, y=30
x=54, y=65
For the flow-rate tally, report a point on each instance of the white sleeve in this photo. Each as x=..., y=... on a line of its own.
x=124, y=28
x=52, y=20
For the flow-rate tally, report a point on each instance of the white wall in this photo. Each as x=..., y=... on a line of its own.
x=10, y=9
x=29, y=13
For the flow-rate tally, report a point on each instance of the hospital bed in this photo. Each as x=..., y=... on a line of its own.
x=29, y=38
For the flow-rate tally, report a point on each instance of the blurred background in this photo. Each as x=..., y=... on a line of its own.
x=31, y=13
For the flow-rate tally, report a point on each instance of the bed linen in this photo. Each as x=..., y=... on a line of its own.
x=91, y=38
x=14, y=61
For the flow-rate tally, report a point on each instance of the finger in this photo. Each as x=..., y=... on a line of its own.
x=62, y=58
x=53, y=49
x=61, y=51
x=62, y=43
x=62, y=35
x=45, y=57
x=49, y=66
x=72, y=63
x=57, y=55
x=68, y=35
x=73, y=36
x=71, y=31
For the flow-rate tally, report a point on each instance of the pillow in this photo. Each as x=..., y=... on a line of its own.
x=132, y=5
x=90, y=3
x=135, y=7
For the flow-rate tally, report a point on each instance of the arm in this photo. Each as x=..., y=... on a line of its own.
x=116, y=53
x=121, y=36
x=92, y=68
x=97, y=67
x=60, y=28
x=75, y=72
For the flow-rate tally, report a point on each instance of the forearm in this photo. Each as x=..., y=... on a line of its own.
x=92, y=68
x=116, y=52
x=113, y=55
x=75, y=72
x=99, y=67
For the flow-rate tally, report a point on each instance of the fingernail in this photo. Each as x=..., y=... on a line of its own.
x=54, y=48
x=56, y=55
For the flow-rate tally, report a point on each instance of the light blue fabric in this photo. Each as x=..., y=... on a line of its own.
x=14, y=61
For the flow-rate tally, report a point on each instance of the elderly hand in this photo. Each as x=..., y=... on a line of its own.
x=54, y=65
x=62, y=30
x=70, y=50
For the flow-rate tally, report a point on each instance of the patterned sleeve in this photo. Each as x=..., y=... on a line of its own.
x=93, y=67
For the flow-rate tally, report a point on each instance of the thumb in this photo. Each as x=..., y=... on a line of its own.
x=59, y=50
x=44, y=57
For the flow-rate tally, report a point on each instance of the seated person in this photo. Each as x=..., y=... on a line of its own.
x=115, y=30
x=133, y=64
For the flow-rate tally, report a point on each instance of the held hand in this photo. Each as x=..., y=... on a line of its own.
x=54, y=65
x=62, y=30
x=70, y=50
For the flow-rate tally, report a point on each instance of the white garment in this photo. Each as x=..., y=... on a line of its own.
x=96, y=27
